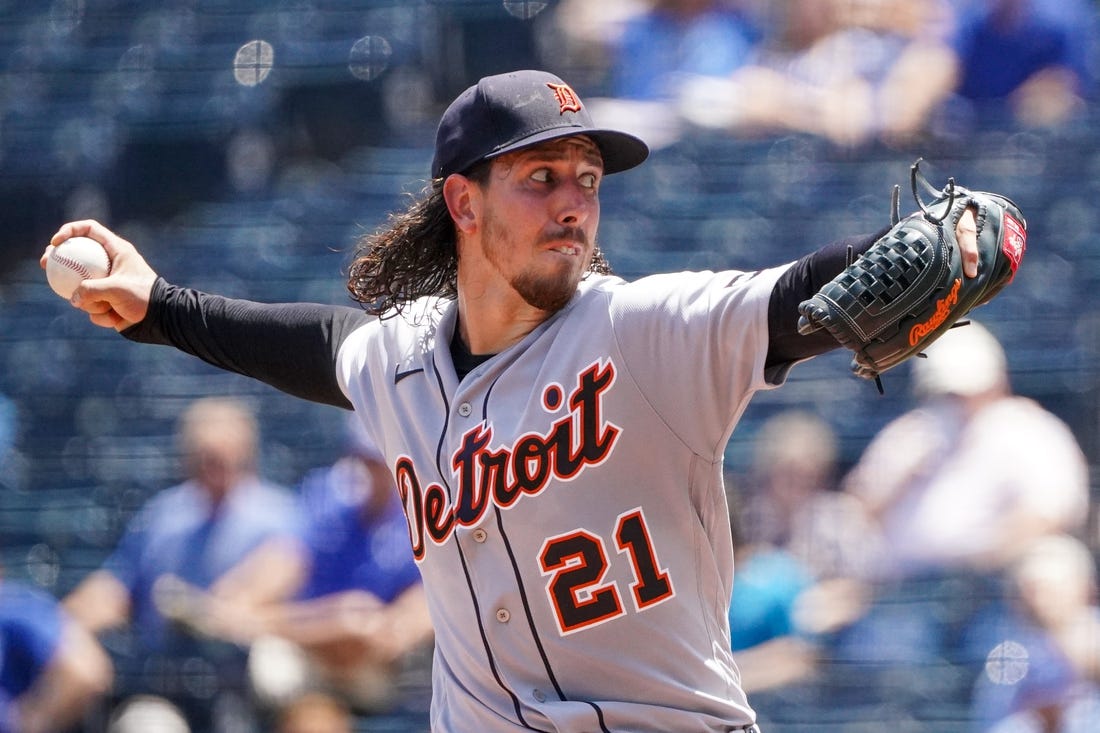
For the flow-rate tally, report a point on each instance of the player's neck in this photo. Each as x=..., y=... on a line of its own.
x=489, y=323
x=485, y=334
x=465, y=362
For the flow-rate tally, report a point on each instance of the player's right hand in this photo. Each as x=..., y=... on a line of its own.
x=121, y=299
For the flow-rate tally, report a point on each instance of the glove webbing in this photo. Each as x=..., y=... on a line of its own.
x=887, y=271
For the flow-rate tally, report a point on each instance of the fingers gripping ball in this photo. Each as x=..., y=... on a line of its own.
x=909, y=288
x=73, y=261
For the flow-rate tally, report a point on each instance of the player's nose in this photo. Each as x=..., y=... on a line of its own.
x=574, y=204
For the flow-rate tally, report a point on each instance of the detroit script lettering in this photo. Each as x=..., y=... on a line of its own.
x=501, y=475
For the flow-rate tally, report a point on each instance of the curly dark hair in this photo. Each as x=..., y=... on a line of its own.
x=414, y=255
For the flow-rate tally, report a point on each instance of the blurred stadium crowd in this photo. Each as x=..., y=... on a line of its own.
x=246, y=143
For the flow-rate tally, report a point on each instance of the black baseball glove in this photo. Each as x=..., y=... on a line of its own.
x=909, y=288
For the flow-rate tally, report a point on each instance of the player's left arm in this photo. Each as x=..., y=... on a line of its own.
x=807, y=275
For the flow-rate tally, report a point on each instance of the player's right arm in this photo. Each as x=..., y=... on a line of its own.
x=291, y=347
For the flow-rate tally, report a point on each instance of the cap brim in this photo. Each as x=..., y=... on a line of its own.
x=620, y=150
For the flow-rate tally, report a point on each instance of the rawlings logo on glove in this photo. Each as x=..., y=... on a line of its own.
x=909, y=288
x=943, y=310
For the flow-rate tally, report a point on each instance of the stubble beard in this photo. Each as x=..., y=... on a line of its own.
x=547, y=292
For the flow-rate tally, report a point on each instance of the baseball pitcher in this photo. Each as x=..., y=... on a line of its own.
x=557, y=433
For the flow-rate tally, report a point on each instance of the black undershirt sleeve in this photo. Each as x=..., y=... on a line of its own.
x=801, y=281
x=291, y=347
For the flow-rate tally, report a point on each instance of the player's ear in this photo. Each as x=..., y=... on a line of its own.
x=463, y=197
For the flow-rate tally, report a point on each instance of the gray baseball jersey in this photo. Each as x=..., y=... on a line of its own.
x=565, y=500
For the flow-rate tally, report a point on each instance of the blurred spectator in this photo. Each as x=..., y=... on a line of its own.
x=769, y=647
x=674, y=39
x=849, y=72
x=961, y=486
x=1032, y=54
x=792, y=502
x=196, y=531
x=1043, y=671
x=52, y=670
x=315, y=712
x=974, y=474
x=653, y=48
x=582, y=36
x=800, y=549
x=340, y=612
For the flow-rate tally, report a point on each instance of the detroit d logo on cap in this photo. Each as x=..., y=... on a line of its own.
x=568, y=101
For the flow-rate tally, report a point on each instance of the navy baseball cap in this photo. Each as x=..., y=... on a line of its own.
x=519, y=109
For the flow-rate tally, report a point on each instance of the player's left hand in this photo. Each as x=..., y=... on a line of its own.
x=921, y=277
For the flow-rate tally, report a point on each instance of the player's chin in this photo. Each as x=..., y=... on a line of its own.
x=548, y=293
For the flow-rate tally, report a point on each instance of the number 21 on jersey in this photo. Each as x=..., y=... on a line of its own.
x=577, y=564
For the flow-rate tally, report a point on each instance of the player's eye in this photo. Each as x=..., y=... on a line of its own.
x=589, y=180
x=542, y=175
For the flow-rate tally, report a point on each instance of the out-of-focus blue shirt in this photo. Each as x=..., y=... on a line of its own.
x=657, y=49
x=30, y=631
x=996, y=58
x=179, y=531
x=765, y=588
x=348, y=550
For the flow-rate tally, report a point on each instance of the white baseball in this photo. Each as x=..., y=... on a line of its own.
x=73, y=261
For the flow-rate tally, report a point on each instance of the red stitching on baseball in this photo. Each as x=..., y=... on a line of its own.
x=74, y=265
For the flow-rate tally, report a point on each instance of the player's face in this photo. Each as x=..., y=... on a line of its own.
x=542, y=209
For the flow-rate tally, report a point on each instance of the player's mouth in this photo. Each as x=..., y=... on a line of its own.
x=570, y=241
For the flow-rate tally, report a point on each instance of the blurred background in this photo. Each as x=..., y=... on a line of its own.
x=243, y=146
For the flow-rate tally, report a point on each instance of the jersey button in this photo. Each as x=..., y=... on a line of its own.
x=479, y=535
x=464, y=409
x=503, y=615
x=539, y=695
